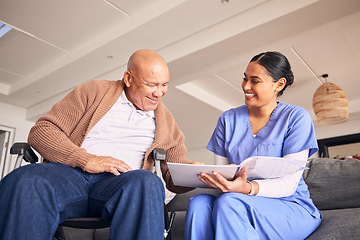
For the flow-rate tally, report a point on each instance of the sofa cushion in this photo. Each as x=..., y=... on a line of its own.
x=334, y=183
x=180, y=201
x=338, y=224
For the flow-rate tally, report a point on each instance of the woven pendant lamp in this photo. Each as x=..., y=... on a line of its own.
x=330, y=104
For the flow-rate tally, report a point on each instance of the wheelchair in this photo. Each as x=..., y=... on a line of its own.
x=90, y=227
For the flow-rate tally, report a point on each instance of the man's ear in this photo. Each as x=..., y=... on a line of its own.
x=127, y=78
x=280, y=84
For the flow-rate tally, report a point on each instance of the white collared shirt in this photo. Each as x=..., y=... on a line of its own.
x=123, y=133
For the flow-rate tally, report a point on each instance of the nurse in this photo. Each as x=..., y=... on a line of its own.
x=278, y=208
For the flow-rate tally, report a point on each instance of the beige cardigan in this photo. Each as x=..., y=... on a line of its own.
x=58, y=135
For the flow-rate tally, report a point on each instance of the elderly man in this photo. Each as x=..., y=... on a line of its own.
x=97, y=143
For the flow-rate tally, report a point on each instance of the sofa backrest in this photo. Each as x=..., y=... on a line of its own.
x=333, y=183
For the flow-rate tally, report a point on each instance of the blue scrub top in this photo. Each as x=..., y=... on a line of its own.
x=289, y=130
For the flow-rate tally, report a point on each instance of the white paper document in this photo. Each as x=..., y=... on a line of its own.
x=258, y=167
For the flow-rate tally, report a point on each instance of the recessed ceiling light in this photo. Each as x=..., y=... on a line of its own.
x=225, y=1
x=4, y=29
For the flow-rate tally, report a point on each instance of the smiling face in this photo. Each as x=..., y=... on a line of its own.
x=146, y=80
x=259, y=87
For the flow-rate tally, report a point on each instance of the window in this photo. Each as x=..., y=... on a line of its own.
x=4, y=29
x=6, y=140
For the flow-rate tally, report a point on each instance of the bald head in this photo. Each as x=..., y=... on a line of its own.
x=146, y=59
x=146, y=79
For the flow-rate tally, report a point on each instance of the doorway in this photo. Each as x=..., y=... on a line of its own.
x=6, y=140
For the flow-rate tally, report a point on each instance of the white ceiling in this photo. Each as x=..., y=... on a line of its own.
x=54, y=45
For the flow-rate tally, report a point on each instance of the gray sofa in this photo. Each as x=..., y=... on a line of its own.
x=334, y=186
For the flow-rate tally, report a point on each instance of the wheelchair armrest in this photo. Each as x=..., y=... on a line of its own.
x=159, y=154
x=22, y=148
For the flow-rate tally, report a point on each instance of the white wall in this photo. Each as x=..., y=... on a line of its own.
x=14, y=117
x=201, y=155
x=352, y=126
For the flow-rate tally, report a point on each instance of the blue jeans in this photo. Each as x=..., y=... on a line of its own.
x=35, y=198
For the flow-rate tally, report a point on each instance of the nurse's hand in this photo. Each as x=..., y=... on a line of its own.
x=218, y=181
x=197, y=163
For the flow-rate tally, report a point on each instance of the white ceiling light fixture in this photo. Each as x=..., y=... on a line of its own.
x=225, y=1
x=4, y=29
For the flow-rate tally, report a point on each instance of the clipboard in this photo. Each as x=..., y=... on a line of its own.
x=186, y=174
x=258, y=167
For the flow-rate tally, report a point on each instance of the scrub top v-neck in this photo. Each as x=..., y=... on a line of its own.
x=289, y=130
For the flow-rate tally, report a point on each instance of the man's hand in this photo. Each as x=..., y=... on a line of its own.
x=101, y=164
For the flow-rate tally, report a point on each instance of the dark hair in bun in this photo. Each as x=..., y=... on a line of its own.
x=277, y=66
